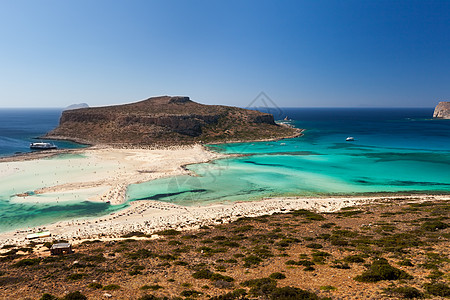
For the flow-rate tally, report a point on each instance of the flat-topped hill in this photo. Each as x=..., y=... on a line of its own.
x=442, y=110
x=167, y=120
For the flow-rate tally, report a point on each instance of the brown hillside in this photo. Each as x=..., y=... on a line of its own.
x=167, y=121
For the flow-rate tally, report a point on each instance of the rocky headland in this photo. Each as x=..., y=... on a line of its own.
x=442, y=110
x=165, y=121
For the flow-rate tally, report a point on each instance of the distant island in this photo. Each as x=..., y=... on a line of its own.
x=167, y=120
x=76, y=106
x=442, y=110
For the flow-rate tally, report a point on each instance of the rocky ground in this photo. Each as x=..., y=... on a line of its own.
x=377, y=251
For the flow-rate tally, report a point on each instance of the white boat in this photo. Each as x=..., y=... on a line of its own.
x=350, y=139
x=38, y=235
x=42, y=146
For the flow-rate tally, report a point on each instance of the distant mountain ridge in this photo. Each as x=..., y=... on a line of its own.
x=76, y=106
x=442, y=110
x=167, y=120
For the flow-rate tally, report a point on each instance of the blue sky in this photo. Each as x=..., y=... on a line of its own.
x=300, y=53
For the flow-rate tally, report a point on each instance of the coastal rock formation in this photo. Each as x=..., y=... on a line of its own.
x=442, y=110
x=167, y=120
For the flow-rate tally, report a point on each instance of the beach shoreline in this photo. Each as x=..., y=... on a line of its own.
x=109, y=170
x=149, y=217
x=114, y=169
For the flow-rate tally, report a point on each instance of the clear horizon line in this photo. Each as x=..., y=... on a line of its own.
x=261, y=107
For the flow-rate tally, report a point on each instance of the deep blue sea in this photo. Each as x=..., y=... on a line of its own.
x=20, y=127
x=395, y=150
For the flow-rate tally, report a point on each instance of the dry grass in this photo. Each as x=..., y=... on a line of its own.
x=401, y=248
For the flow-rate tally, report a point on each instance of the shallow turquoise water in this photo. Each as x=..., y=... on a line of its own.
x=394, y=151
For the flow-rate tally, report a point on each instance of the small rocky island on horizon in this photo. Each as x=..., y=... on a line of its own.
x=442, y=110
x=76, y=106
x=167, y=120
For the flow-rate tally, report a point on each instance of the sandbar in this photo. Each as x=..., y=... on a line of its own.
x=103, y=174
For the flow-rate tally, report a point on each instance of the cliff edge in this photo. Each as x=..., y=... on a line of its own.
x=442, y=110
x=167, y=120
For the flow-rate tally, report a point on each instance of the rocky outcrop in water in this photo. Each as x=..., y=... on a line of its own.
x=442, y=110
x=166, y=121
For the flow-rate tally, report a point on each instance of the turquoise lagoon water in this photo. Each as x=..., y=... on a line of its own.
x=19, y=127
x=395, y=150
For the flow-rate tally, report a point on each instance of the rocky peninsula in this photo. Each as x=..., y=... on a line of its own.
x=442, y=110
x=166, y=121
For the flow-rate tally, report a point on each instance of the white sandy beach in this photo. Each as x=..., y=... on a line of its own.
x=103, y=174
x=151, y=216
x=94, y=174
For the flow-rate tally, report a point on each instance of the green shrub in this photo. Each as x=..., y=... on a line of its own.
x=406, y=262
x=221, y=268
x=338, y=241
x=154, y=287
x=328, y=288
x=354, y=259
x=327, y=225
x=244, y=228
x=251, y=260
x=207, y=274
x=149, y=297
x=435, y=274
x=320, y=256
x=309, y=215
x=262, y=251
x=168, y=232
x=167, y=257
x=398, y=242
x=141, y=253
x=95, y=285
x=302, y=262
x=27, y=262
x=174, y=243
x=314, y=246
x=434, y=225
x=134, y=272
x=76, y=276
x=95, y=258
x=342, y=266
x=47, y=245
x=236, y=294
x=217, y=276
x=75, y=296
x=277, y=275
x=406, y=292
x=438, y=289
x=191, y=293
x=134, y=233
x=48, y=296
x=260, y=287
x=291, y=293
x=382, y=270
x=111, y=287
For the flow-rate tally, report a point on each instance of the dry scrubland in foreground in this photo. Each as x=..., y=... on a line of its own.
x=379, y=251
